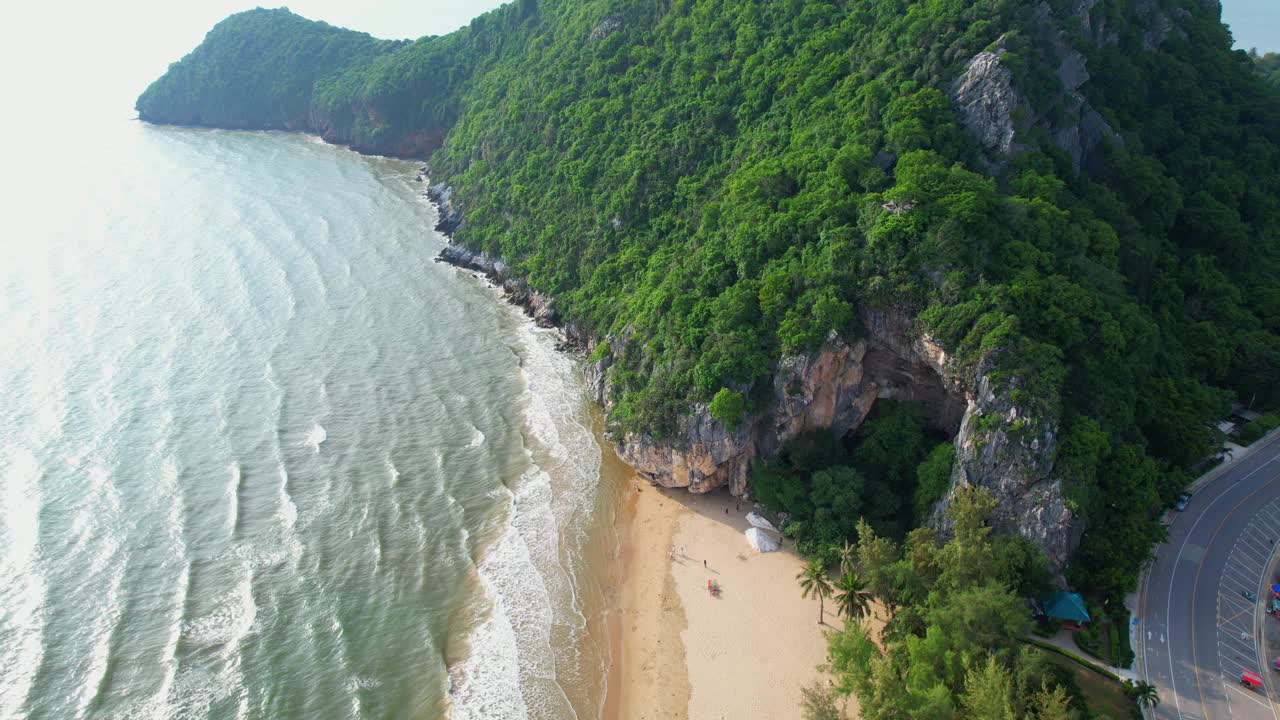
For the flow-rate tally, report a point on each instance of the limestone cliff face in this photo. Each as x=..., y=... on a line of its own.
x=990, y=106
x=999, y=445
x=1009, y=451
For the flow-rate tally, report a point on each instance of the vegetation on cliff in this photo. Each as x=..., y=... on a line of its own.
x=714, y=185
x=825, y=488
x=1268, y=66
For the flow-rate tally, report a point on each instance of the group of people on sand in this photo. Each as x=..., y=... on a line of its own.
x=680, y=549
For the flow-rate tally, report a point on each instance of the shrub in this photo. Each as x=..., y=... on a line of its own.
x=1255, y=429
x=728, y=406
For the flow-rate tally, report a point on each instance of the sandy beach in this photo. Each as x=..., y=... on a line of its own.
x=682, y=653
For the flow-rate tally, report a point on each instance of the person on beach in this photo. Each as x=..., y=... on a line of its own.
x=704, y=564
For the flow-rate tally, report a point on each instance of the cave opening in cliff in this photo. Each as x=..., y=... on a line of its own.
x=886, y=458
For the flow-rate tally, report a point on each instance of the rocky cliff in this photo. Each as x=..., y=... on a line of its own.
x=999, y=114
x=999, y=445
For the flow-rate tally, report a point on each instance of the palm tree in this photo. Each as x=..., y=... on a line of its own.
x=1146, y=695
x=813, y=581
x=848, y=557
x=852, y=599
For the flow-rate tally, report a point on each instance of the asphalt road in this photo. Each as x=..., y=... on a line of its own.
x=1197, y=631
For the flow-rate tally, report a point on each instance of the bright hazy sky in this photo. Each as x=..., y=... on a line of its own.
x=100, y=55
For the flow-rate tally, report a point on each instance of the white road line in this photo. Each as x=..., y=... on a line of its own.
x=1231, y=625
x=1239, y=665
x=1173, y=680
x=1250, y=694
x=1250, y=551
x=1256, y=534
x=1237, y=646
x=1266, y=524
x=1242, y=580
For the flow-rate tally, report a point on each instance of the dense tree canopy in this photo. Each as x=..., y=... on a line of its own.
x=950, y=647
x=1268, y=66
x=713, y=185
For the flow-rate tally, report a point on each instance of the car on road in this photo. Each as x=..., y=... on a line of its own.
x=1183, y=499
x=1251, y=680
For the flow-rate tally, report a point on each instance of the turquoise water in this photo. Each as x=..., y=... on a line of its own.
x=262, y=458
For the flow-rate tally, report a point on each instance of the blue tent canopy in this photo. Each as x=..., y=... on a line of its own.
x=1066, y=606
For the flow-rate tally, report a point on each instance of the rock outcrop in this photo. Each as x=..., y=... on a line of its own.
x=999, y=445
x=989, y=105
x=1009, y=451
x=539, y=306
x=985, y=101
x=831, y=389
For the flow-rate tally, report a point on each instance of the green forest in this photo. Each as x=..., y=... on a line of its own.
x=711, y=186
x=1268, y=67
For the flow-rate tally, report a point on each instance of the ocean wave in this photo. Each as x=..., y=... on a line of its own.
x=23, y=590
x=231, y=619
x=477, y=438
x=232, y=494
x=516, y=665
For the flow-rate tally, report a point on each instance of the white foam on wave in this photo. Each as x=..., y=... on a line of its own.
x=23, y=589
x=231, y=619
x=232, y=493
x=514, y=669
x=286, y=510
x=315, y=436
x=477, y=438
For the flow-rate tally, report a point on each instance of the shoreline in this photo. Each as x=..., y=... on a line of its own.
x=675, y=651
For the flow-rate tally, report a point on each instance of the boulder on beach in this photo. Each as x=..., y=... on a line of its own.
x=763, y=540
x=758, y=520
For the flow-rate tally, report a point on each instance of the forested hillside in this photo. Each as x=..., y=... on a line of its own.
x=1268, y=67
x=710, y=186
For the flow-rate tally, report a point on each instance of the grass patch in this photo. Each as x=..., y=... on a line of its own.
x=1102, y=691
x=1253, y=431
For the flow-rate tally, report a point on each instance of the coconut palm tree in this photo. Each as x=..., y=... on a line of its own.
x=813, y=581
x=1145, y=694
x=852, y=599
x=848, y=557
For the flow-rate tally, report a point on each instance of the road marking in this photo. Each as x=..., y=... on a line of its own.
x=1195, y=583
x=1258, y=536
x=1240, y=665
x=1250, y=694
x=1146, y=580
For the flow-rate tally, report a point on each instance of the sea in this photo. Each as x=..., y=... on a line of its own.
x=262, y=457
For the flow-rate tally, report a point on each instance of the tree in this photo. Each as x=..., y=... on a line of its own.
x=852, y=599
x=1145, y=694
x=813, y=581
x=728, y=406
x=1050, y=704
x=876, y=556
x=988, y=692
x=819, y=703
x=848, y=557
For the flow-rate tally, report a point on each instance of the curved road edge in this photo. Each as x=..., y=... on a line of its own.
x=1191, y=632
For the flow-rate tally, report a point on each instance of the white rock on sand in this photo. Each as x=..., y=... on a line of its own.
x=762, y=540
